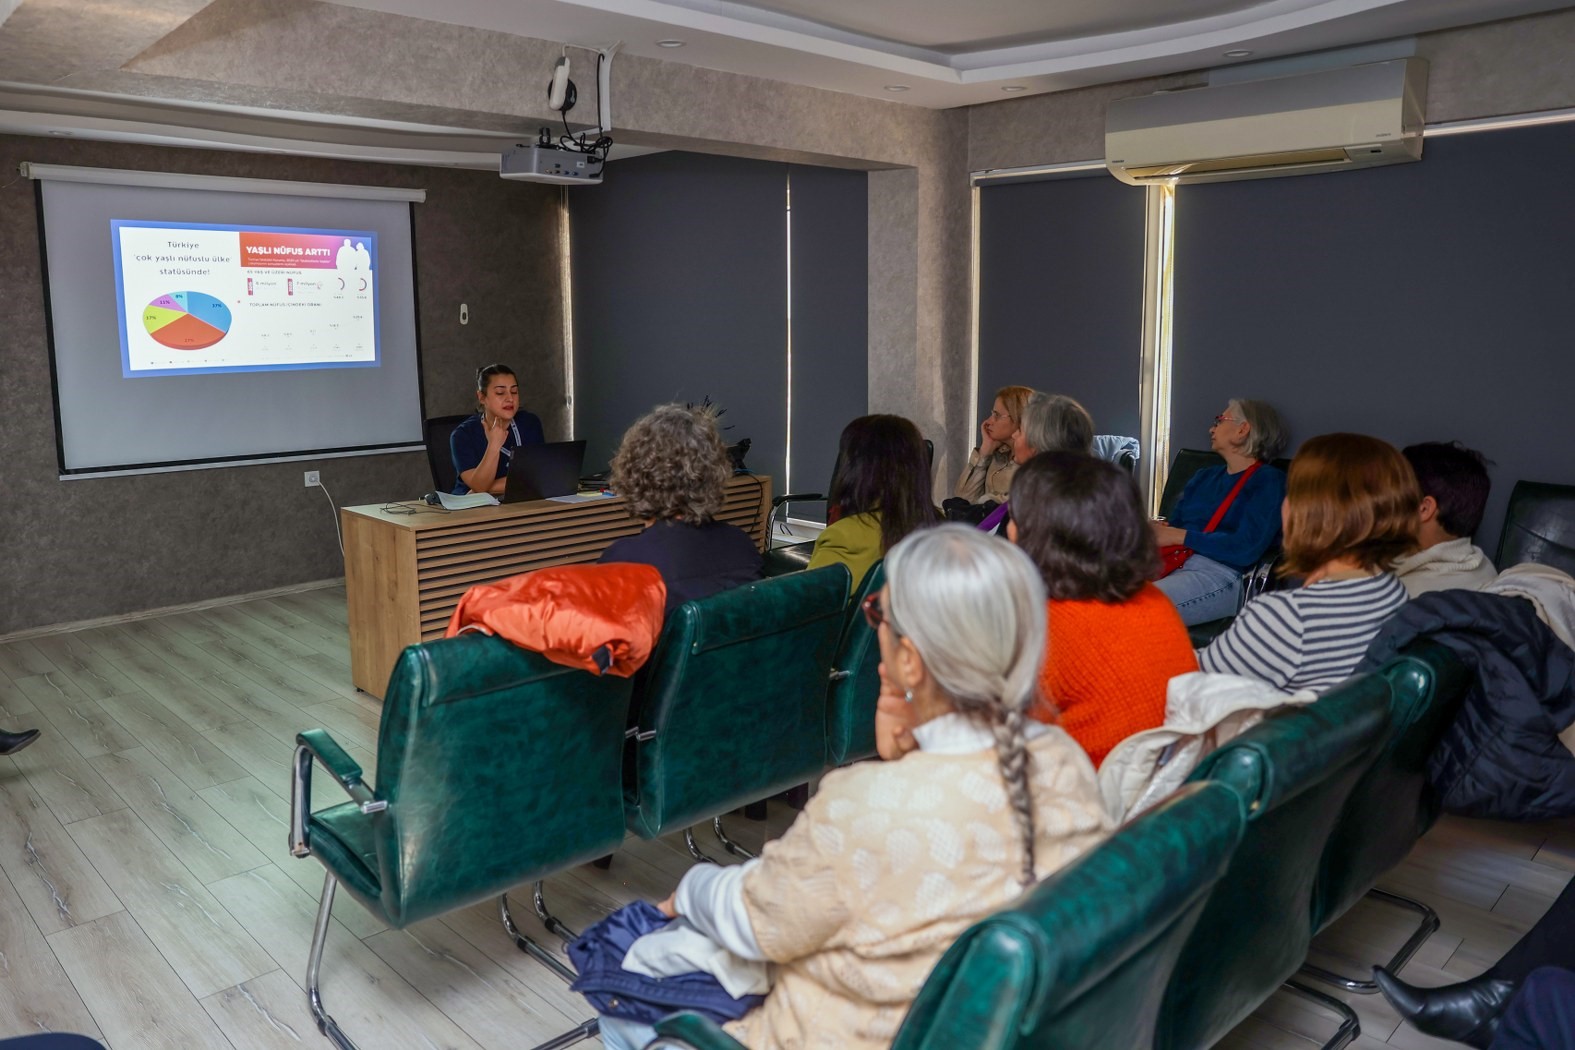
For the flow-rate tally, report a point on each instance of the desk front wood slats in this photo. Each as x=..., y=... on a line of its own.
x=405, y=573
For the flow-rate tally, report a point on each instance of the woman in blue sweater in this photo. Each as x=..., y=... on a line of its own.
x=1248, y=434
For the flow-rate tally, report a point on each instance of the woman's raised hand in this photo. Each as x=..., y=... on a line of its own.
x=987, y=444
x=497, y=430
x=893, y=721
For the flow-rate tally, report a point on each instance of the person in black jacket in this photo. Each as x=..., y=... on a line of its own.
x=672, y=468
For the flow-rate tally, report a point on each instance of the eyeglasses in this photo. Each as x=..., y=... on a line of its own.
x=875, y=614
x=1226, y=419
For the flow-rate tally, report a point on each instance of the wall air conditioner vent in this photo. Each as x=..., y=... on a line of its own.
x=1332, y=120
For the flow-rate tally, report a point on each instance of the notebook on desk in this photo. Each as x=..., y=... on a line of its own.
x=543, y=471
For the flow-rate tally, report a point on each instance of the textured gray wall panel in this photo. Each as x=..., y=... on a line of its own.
x=98, y=547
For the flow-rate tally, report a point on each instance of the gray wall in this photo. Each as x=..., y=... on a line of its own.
x=98, y=547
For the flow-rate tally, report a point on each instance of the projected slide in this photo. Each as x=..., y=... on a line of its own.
x=197, y=298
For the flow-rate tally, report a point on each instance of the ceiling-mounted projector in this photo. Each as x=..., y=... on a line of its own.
x=572, y=159
x=539, y=163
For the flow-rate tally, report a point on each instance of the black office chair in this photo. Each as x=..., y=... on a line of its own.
x=1539, y=526
x=435, y=432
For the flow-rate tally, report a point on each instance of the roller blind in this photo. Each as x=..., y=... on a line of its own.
x=1061, y=293
x=830, y=304
x=1418, y=302
x=680, y=293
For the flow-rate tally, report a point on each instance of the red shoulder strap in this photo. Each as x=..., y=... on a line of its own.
x=1219, y=514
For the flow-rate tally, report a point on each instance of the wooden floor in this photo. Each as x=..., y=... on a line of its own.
x=147, y=896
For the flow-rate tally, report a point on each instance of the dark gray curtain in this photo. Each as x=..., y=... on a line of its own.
x=830, y=320
x=680, y=293
x=1418, y=302
x=1061, y=294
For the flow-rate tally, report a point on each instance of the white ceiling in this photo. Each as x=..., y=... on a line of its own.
x=957, y=52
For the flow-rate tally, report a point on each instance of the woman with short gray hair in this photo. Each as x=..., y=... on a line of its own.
x=1050, y=423
x=891, y=861
x=1244, y=495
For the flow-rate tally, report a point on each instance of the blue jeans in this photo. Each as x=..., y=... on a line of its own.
x=618, y=1034
x=1203, y=590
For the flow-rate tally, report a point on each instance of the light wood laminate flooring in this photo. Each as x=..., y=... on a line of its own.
x=147, y=897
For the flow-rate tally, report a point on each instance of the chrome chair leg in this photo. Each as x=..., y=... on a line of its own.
x=694, y=850
x=314, y=997
x=1419, y=936
x=1350, y=1025
x=590, y=1028
x=584, y=1030
x=525, y=944
x=539, y=902
x=728, y=844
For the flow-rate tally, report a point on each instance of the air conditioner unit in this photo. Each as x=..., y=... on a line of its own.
x=1331, y=120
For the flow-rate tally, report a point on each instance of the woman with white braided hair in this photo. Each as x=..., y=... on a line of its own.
x=891, y=861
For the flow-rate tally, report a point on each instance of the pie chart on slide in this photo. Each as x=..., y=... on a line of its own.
x=186, y=320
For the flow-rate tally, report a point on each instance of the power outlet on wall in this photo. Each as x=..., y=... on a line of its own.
x=312, y=478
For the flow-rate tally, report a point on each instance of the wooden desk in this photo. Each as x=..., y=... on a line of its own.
x=404, y=573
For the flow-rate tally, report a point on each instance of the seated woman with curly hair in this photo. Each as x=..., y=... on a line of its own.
x=1349, y=514
x=672, y=469
x=1115, y=639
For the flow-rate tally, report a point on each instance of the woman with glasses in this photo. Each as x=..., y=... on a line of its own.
x=988, y=473
x=891, y=861
x=1207, y=586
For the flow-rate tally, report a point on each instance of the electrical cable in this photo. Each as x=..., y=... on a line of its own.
x=335, y=511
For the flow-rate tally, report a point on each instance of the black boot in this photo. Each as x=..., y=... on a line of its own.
x=11, y=743
x=1467, y=1012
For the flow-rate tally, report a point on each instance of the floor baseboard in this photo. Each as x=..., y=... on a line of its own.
x=148, y=614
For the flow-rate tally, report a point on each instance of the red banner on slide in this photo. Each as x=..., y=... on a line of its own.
x=291, y=250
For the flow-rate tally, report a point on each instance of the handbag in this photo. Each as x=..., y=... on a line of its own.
x=1173, y=556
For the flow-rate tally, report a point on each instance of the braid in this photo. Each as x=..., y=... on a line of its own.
x=1011, y=752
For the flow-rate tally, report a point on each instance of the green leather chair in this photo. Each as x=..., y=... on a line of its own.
x=1392, y=805
x=1293, y=772
x=731, y=708
x=1081, y=961
x=855, y=681
x=494, y=767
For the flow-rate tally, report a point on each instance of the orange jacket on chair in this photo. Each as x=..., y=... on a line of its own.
x=600, y=618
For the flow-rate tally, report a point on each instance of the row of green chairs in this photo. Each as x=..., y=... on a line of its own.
x=496, y=767
x=1175, y=929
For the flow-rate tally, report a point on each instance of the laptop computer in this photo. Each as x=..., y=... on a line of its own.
x=544, y=471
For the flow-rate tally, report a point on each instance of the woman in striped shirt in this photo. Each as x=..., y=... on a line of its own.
x=1349, y=513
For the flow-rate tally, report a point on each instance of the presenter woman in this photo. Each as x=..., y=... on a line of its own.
x=482, y=445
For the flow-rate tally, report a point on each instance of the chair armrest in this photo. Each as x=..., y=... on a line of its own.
x=795, y=497
x=317, y=744
x=692, y=1032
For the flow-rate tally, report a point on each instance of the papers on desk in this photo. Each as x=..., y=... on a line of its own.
x=581, y=497
x=467, y=501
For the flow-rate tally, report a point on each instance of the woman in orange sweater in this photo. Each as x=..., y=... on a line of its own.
x=1115, y=639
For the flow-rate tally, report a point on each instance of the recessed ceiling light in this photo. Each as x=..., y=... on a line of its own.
x=896, y=87
x=1238, y=53
x=669, y=43
x=1014, y=87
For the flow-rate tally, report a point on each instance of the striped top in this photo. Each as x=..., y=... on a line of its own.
x=1309, y=638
